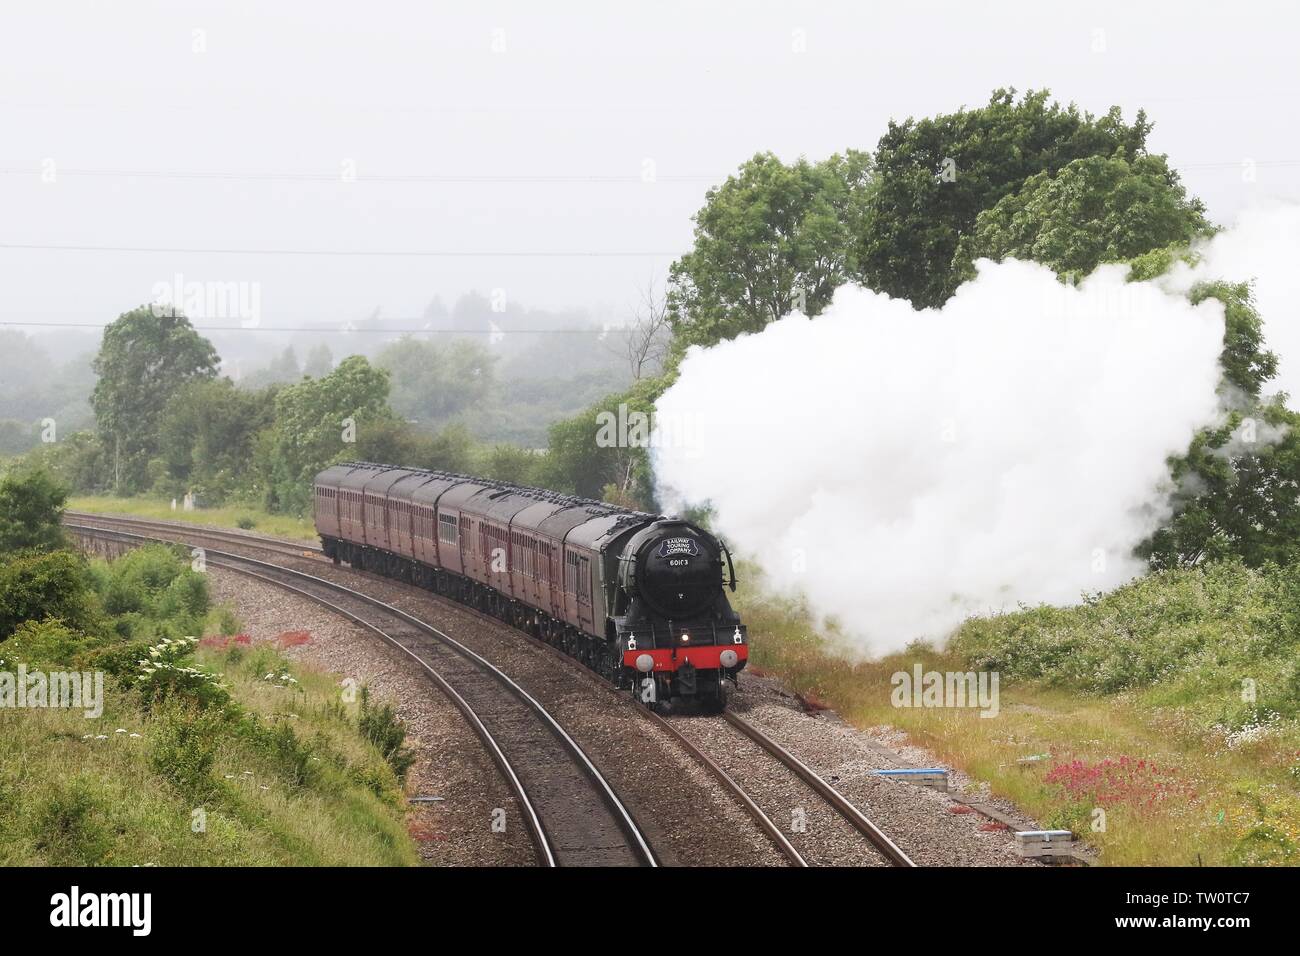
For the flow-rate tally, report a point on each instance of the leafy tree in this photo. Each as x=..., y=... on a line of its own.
x=15, y=437
x=771, y=239
x=432, y=384
x=602, y=452
x=514, y=464
x=319, y=421
x=933, y=177
x=78, y=461
x=395, y=442
x=1235, y=490
x=144, y=360
x=37, y=585
x=284, y=368
x=31, y=509
x=320, y=361
x=207, y=437
x=1093, y=210
x=1238, y=493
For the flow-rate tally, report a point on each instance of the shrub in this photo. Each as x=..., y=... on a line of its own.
x=183, y=744
x=68, y=826
x=39, y=643
x=162, y=676
x=36, y=586
x=31, y=506
x=1213, y=625
x=291, y=758
x=383, y=728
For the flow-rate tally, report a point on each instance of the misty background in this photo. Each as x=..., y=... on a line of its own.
x=520, y=173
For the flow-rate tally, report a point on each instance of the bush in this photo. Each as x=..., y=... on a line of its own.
x=1210, y=627
x=383, y=728
x=162, y=676
x=183, y=744
x=69, y=828
x=290, y=757
x=31, y=508
x=42, y=643
x=36, y=586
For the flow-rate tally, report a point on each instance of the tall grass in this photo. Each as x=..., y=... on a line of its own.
x=224, y=754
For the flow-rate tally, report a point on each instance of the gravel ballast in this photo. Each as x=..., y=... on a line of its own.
x=450, y=760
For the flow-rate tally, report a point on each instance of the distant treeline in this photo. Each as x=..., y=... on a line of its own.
x=1022, y=177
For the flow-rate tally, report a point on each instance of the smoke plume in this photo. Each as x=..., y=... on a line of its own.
x=905, y=468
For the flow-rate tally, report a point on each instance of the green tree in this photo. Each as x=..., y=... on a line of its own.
x=433, y=384
x=511, y=463
x=771, y=239
x=36, y=585
x=78, y=461
x=933, y=177
x=207, y=437
x=31, y=509
x=603, y=452
x=1235, y=489
x=146, y=357
x=320, y=361
x=319, y=421
x=1093, y=210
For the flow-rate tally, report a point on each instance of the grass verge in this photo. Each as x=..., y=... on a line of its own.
x=233, y=516
x=207, y=752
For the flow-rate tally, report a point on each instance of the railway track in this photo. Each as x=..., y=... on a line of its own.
x=573, y=815
x=845, y=809
x=262, y=543
x=817, y=810
x=817, y=790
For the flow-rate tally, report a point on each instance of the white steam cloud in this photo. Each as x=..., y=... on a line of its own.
x=905, y=468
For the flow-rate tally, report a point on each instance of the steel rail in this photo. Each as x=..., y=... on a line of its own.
x=636, y=840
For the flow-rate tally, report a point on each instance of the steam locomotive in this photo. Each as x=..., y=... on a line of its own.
x=636, y=597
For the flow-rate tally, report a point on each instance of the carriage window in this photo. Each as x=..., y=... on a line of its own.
x=584, y=580
x=447, y=529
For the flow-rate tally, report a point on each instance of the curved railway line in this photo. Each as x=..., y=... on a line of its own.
x=528, y=747
x=573, y=815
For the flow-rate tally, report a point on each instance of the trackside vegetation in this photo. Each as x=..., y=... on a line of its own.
x=204, y=747
x=1172, y=705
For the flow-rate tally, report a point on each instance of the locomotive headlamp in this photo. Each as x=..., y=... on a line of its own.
x=645, y=663
x=728, y=658
x=685, y=637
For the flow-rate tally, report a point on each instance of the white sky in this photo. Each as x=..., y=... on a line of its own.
x=292, y=90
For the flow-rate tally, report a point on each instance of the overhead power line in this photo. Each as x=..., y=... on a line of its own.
x=424, y=253
x=344, y=328
x=360, y=177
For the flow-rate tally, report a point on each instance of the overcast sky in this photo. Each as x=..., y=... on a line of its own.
x=502, y=132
